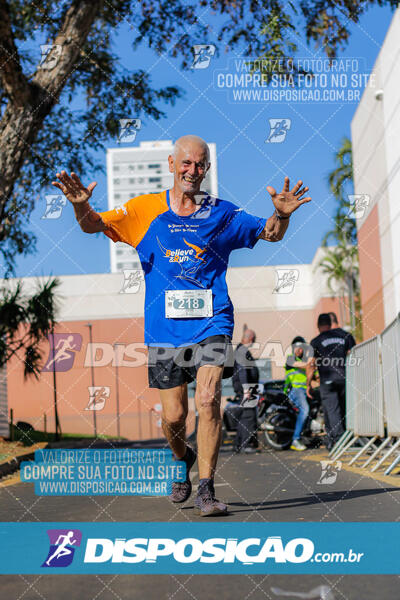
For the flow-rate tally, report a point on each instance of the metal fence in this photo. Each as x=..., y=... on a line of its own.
x=390, y=351
x=367, y=388
x=373, y=403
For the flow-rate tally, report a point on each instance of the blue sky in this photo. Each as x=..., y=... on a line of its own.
x=246, y=164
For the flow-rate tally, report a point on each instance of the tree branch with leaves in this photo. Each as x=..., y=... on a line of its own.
x=25, y=322
x=340, y=262
x=40, y=132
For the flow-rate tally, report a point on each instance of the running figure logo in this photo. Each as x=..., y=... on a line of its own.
x=62, y=547
x=189, y=260
x=251, y=394
x=132, y=281
x=358, y=205
x=128, y=129
x=202, y=55
x=54, y=205
x=278, y=130
x=97, y=397
x=286, y=280
x=50, y=55
x=330, y=471
x=65, y=347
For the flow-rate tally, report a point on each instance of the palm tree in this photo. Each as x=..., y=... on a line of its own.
x=340, y=264
x=341, y=261
x=340, y=177
x=340, y=182
x=25, y=321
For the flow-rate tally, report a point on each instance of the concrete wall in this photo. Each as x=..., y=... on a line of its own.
x=375, y=131
x=117, y=318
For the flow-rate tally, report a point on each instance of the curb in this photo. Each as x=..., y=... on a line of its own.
x=6, y=468
x=388, y=479
x=9, y=467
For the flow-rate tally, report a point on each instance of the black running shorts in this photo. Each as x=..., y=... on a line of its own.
x=171, y=367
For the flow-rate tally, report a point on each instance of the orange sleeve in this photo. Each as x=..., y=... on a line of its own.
x=121, y=223
x=129, y=223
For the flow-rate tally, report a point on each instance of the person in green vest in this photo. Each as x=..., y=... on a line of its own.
x=296, y=388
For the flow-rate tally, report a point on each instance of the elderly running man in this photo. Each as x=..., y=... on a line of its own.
x=184, y=238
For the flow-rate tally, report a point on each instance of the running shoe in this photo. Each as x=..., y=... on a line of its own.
x=181, y=490
x=206, y=504
x=297, y=445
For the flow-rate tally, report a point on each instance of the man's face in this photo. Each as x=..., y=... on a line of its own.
x=189, y=167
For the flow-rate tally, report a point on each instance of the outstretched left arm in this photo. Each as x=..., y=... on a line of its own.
x=285, y=204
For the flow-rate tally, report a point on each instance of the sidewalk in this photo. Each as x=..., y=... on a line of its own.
x=267, y=487
x=270, y=486
x=13, y=453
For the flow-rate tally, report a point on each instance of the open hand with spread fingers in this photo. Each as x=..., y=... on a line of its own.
x=72, y=187
x=287, y=201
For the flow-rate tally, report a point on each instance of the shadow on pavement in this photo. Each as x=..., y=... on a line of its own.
x=313, y=498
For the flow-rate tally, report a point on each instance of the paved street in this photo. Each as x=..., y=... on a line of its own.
x=270, y=486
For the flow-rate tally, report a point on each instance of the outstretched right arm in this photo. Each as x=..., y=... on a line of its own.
x=71, y=186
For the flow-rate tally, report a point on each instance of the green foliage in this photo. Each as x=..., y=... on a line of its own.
x=25, y=321
x=68, y=137
x=340, y=262
x=340, y=181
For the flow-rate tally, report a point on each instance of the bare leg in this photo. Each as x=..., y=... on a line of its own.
x=208, y=404
x=174, y=412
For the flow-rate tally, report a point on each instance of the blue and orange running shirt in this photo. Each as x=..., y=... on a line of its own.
x=182, y=253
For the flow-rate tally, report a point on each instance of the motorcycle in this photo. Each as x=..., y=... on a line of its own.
x=278, y=420
x=276, y=416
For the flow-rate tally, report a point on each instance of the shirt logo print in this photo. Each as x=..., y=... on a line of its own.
x=189, y=260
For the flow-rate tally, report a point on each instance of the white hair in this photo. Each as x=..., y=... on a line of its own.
x=191, y=138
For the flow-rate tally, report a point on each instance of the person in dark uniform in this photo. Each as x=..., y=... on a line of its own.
x=245, y=371
x=334, y=320
x=331, y=347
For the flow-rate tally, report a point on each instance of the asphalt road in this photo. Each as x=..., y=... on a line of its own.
x=270, y=486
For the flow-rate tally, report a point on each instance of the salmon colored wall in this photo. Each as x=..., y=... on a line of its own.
x=31, y=399
x=276, y=326
x=373, y=322
x=371, y=275
x=336, y=305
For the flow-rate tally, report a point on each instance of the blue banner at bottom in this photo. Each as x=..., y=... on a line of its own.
x=210, y=548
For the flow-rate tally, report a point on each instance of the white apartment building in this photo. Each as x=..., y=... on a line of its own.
x=133, y=171
x=375, y=137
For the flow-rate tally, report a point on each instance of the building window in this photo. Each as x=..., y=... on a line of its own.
x=119, y=252
x=154, y=166
x=117, y=196
x=132, y=181
x=116, y=167
x=141, y=180
x=131, y=167
x=140, y=166
x=116, y=181
x=154, y=179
